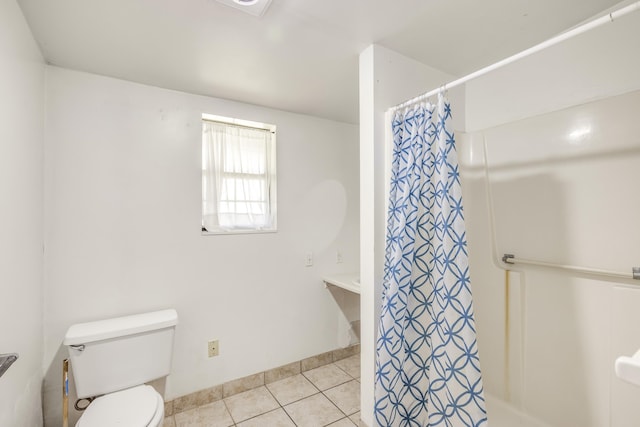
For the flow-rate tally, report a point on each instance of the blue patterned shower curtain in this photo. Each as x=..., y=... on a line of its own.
x=427, y=365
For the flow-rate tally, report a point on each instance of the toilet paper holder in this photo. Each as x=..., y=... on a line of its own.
x=6, y=360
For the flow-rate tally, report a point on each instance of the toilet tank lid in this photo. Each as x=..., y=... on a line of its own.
x=83, y=333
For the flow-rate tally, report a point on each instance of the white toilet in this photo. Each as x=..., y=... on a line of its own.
x=113, y=359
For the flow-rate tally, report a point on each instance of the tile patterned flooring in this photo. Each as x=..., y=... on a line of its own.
x=324, y=396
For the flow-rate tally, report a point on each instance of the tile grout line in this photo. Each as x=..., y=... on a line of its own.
x=328, y=398
x=334, y=356
x=352, y=379
x=315, y=386
x=322, y=392
x=334, y=404
x=229, y=412
x=281, y=406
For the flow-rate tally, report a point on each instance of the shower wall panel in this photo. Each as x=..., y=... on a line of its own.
x=559, y=188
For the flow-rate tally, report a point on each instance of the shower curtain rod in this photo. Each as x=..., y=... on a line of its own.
x=610, y=17
x=635, y=271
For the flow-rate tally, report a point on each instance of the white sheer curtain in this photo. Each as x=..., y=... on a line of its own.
x=238, y=178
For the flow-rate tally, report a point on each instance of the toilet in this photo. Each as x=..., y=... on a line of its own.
x=112, y=359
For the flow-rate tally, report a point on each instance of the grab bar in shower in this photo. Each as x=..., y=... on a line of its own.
x=6, y=360
x=635, y=271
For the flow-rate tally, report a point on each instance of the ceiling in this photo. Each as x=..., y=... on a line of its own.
x=301, y=55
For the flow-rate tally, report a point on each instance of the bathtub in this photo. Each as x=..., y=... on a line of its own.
x=502, y=414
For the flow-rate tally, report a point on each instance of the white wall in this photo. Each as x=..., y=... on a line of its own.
x=122, y=230
x=386, y=79
x=21, y=192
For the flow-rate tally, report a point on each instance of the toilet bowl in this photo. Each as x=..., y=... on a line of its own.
x=140, y=406
x=113, y=359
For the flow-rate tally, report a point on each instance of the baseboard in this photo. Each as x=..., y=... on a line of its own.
x=221, y=391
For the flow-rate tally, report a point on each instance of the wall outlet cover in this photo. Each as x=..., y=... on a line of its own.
x=213, y=348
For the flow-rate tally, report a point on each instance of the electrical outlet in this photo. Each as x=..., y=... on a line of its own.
x=339, y=257
x=214, y=348
x=308, y=261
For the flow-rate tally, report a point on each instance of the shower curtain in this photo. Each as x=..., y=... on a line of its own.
x=427, y=365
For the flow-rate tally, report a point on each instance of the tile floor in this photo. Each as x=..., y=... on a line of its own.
x=324, y=396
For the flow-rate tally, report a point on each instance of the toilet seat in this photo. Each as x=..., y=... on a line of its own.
x=140, y=406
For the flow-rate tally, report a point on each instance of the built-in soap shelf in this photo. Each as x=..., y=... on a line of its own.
x=349, y=282
x=628, y=368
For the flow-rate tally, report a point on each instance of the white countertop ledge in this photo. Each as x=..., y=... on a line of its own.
x=350, y=282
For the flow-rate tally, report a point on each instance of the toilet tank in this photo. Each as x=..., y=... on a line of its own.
x=114, y=354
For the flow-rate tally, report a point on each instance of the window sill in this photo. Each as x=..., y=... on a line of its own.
x=228, y=232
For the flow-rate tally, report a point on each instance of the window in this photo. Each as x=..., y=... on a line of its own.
x=238, y=176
